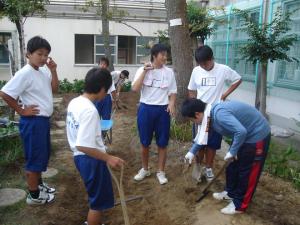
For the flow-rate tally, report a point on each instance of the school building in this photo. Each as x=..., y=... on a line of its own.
x=283, y=100
x=75, y=36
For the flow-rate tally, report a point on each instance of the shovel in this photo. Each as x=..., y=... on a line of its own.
x=206, y=191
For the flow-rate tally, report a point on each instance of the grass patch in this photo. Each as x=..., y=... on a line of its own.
x=11, y=150
x=284, y=162
x=181, y=132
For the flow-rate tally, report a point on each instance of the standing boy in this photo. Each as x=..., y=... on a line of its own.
x=104, y=106
x=157, y=85
x=34, y=85
x=207, y=84
x=84, y=137
x=119, y=78
x=250, y=133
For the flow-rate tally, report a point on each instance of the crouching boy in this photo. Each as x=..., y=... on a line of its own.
x=250, y=133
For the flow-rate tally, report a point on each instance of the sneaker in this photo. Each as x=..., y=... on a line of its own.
x=41, y=200
x=45, y=188
x=230, y=209
x=161, y=176
x=209, y=174
x=197, y=172
x=86, y=223
x=222, y=196
x=142, y=174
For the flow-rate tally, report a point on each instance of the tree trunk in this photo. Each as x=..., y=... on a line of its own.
x=20, y=29
x=105, y=32
x=257, y=90
x=181, y=45
x=263, y=89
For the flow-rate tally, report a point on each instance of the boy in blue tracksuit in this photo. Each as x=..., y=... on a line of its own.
x=250, y=133
x=34, y=84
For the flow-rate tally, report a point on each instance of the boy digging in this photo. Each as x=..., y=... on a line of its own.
x=84, y=137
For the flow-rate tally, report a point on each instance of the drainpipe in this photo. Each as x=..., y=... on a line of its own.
x=228, y=33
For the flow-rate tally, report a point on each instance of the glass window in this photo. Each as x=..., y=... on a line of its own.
x=4, y=55
x=84, y=49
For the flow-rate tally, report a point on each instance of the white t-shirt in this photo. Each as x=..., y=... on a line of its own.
x=112, y=88
x=83, y=125
x=158, y=85
x=115, y=76
x=33, y=87
x=210, y=84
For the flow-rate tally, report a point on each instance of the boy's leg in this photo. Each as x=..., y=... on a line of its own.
x=145, y=157
x=251, y=163
x=162, y=158
x=32, y=179
x=145, y=128
x=231, y=178
x=94, y=217
x=210, y=154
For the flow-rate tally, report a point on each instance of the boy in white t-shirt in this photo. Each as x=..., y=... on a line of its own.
x=207, y=83
x=34, y=84
x=119, y=78
x=84, y=137
x=157, y=85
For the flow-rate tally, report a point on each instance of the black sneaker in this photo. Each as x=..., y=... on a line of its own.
x=45, y=188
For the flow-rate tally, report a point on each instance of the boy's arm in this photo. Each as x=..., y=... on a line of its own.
x=54, y=82
x=192, y=94
x=13, y=103
x=109, y=159
x=138, y=83
x=171, y=106
x=231, y=89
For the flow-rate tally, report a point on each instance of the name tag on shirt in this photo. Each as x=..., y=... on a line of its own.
x=209, y=81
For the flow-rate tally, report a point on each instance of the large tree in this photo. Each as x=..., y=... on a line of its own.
x=17, y=11
x=182, y=55
x=267, y=42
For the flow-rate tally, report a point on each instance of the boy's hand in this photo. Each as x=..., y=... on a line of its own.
x=148, y=66
x=51, y=65
x=171, y=109
x=230, y=157
x=115, y=162
x=189, y=157
x=30, y=110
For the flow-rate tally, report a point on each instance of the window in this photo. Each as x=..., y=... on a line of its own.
x=126, y=50
x=84, y=49
x=100, y=48
x=4, y=56
x=143, y=49
x=288, y=73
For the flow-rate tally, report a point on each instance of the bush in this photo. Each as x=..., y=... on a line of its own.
x=78, y=86
x=2, y=83
x=284, y=162
x=181, y=132
x=66, y=86
x=11, y=150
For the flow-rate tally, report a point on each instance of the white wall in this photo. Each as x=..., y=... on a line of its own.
x=60, y=34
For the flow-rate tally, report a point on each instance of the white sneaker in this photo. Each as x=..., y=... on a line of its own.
x=221, y=196
x=230, y=209
x=161, y=176
x=197, y=172
x=41, y=200
x=209, y=175
x=142, y=174
x=45, y=188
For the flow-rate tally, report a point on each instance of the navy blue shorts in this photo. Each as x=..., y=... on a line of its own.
x=214, y=138
x=104, y=107
x=97, y=181
x=35, y=135
x=153, y=119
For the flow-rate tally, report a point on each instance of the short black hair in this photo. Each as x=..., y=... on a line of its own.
x=36, y=43
x=191, y=106
x=203, y=53
x=157, y=48
x=96, y=79
x=104, y=59
x=125, y=73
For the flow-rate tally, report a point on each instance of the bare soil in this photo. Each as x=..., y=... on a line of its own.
x=171, y=204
